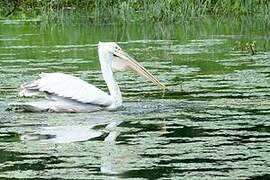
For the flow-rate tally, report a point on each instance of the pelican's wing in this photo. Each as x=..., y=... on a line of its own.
x=66, y=86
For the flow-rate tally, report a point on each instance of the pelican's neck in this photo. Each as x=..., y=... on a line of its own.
x=106, y=69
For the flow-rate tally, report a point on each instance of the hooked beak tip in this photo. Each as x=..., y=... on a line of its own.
x=164, y=87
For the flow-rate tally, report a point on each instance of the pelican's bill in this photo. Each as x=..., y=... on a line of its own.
x=129, y=63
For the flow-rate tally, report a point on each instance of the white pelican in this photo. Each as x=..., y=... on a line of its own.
x=66, y=93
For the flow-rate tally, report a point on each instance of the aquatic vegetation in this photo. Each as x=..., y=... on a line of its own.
x=131, y=10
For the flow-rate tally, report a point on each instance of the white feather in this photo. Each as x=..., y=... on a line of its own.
x=68, y=86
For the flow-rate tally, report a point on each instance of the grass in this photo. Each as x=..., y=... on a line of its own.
x=130, y=10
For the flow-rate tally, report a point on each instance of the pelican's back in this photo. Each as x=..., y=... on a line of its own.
x=65, y=93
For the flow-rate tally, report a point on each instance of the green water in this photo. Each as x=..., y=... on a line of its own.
x=211, y=123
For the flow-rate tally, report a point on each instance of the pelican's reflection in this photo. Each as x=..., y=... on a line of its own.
x=116, y=159
x=69, y=128
x=75, y=133
x=113, y=160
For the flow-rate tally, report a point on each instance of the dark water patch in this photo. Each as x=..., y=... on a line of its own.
x=142, y=127
x=259, y=128
x=27, y=178
x=9, y=137
x=260, y=177
x=149, y=173
x=185, y=132
x=165, y=172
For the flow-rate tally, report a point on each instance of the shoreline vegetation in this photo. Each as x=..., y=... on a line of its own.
x=107, y=11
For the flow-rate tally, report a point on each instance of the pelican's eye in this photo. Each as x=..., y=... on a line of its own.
x=116, y=49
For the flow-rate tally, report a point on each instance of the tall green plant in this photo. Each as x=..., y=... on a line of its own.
x=131, y=10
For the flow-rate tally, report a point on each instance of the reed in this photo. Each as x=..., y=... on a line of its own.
x=107, y=11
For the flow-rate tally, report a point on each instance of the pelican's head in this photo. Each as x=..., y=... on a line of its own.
x=121, y=61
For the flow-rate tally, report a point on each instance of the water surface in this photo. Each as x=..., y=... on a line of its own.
x=212, y=122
